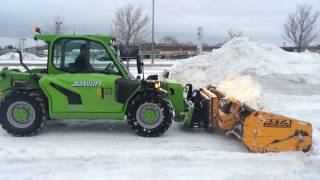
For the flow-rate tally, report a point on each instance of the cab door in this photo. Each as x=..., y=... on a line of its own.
x=86, y=83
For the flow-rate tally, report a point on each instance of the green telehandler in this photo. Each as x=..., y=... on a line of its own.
x=86, y=79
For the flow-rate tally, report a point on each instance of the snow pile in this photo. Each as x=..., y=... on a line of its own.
x=272, y=67
x=15, y=56
x=243, y=57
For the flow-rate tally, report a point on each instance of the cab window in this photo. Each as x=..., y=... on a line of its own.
x=81, y=56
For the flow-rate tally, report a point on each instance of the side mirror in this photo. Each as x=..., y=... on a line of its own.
x=139, y=65
x=165, y=74
x=189, y=90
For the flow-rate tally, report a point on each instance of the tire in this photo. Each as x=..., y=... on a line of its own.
x=23, y=113
x=150, y=114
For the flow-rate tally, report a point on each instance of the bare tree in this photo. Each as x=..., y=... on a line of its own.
x=301, y=27
x=130, y=24
x=169, y=40
x=232, y=33
x=57, y=27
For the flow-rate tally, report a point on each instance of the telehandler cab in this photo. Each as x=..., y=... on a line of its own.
x=85, y=79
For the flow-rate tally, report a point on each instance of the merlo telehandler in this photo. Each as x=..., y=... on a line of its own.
x=86, y=79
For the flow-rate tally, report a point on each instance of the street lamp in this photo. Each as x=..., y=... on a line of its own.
x=152, y=43
x=21, y=43
x=58, y=27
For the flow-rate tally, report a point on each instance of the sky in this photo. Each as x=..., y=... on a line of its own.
x=260, y=20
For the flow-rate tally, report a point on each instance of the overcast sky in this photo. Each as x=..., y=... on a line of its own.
x=261, y=20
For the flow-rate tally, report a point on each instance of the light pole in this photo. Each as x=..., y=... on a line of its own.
x=200, y=35
x=58, y=27
x=21, y=44
x=152, y=43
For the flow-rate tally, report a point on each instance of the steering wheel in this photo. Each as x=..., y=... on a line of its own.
x=109, y=66
x=103, y=58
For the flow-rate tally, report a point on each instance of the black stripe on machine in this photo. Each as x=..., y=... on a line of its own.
x=73, y=98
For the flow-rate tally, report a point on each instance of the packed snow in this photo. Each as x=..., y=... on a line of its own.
x=28, y=42
x=14, y=57
x=260, y=74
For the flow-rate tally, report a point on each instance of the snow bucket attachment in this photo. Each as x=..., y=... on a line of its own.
x=259, y=131
x=265, y=132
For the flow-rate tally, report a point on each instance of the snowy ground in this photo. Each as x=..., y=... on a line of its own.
x=110, y=150
x=14, y=57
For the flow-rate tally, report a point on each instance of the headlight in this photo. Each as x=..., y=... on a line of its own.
x=113, y=42
x=157, y=85
x=151, y=84
x=2, y=76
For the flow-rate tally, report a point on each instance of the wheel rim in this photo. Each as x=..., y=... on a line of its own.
x=21, y=114
x=149, y=115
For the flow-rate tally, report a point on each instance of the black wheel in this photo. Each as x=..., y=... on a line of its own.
x=150, y=114
x=23, y=113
